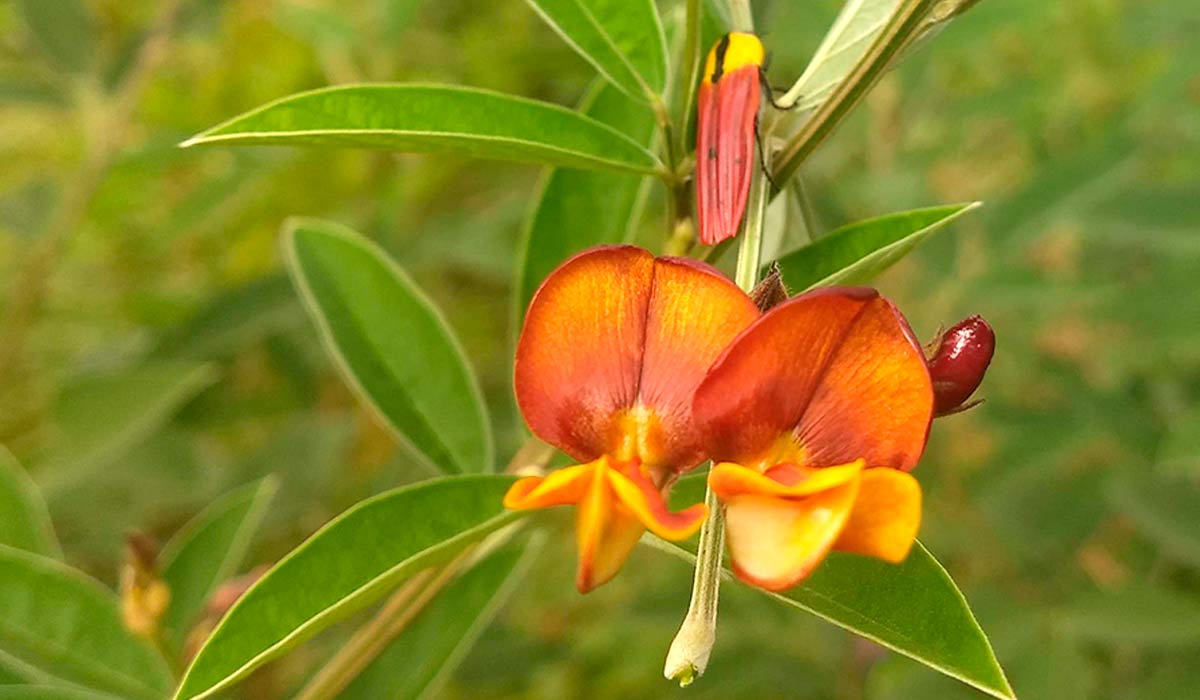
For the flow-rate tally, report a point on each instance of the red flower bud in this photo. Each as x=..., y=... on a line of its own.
x=958, y=364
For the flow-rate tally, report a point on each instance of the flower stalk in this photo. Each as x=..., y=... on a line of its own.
x=688, y=655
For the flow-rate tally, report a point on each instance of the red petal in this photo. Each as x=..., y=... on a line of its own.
x=613, y=347
x=725, y=155
x=836, y=369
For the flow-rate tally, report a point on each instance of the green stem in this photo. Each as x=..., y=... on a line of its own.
x=688, y=656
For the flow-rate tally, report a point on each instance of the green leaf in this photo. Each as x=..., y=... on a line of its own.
x=1138, y=615
x=391, y=344
x=351, y=562
x=207, y=551
x=25, y=523
x=857, y=253
x=100, y=417
x=1167, y=511
x=912, y=608
x=50, y=692
x=856, y=26
x=622, y=39
x=64, y=28
x=436, y=119
x=61, y=626
x=578, y=209
x=420, y=659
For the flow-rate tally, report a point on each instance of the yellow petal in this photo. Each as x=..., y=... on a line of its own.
x=728, y=480
x=605, y=533
x=774, y=543
x=558, y=488
x=885, y=518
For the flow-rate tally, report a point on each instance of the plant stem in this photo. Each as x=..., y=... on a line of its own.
x=688, y=656
x=905, y=22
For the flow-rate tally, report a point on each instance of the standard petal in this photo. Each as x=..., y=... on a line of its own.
x=641, y=498
x=694, y=313
x=885, y=517
x=729, y=480
x=578, y=360
x=836, y=369
x=613, y=347
x=774, y=543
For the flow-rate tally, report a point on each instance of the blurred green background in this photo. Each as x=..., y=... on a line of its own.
x=154, y=355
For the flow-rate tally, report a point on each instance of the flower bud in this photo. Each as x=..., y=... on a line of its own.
x=958, y=364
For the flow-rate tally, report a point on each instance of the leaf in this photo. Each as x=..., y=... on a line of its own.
x=391, y=344
x=25, y=522
x=208, y=551
x=101, y=416
x=59, y=625
x=912, y=608
x=856, y=26
x=64, y=28
x=420, y=659
x=578, y=209
x=622, y=39
x=857, y=253
x=1138, y=615
x=50, y=692
x=348, y=564
x=435, y=119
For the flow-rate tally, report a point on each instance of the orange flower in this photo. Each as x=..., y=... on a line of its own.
x=614, y=344
x=814, y=414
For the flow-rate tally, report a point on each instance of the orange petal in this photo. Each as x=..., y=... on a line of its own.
x=605, y=533
x=640, y=496
x=885, y=517
x=837, y=368
x=559, y=488
x=613, y=346
x=728, y=480
x=774, y=543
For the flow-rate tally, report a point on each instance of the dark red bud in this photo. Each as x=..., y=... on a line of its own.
x=958, y=364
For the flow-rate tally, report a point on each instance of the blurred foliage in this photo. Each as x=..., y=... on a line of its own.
x=145, y=321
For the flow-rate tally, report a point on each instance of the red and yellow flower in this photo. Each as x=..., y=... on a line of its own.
x=614, y=344
x=814, y=415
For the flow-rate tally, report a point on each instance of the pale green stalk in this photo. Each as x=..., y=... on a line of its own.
x=688, y=656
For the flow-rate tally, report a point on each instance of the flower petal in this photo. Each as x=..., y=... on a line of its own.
x=613, y=347
x=640, y=496
x=837, y=369
x=605, y=533
x=774, y=543
x=885, y=517
x=728, y=480
x=558, y=488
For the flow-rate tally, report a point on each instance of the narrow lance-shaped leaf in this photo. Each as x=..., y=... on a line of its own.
x=351, y=562
x=578, y=209
x=419, y=661
x=24, y=520
x=623, y=39
x=59, y=626
x=859, y=252
x=391, y=344
x=50, y=692
x=913, y=608
x=856, y=26
x=436, y=119
x=207, y=551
